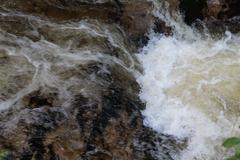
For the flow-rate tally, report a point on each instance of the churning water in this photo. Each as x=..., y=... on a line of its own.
x=191, y=82
x=191, y=86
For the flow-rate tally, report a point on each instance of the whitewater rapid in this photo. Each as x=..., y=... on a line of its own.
x=191, y=87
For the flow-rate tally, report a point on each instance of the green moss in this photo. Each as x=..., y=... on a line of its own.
x=4, y=153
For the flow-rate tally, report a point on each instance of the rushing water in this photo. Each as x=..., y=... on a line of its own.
x=191, y=86
x=190, y=83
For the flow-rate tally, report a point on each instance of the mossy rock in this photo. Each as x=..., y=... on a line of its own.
x=4, y=154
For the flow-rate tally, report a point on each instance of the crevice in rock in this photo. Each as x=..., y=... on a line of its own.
x=192, y=10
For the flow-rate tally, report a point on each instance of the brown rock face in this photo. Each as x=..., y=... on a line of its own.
x=218, y=9
x=134, y=16
x=223, y=9
x=172, y=5
x=214, y=7
x=137, y=19
x=65, y=10
x=218, y=15
x=222, y=15
x=67, y=81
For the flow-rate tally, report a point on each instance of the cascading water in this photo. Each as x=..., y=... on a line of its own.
x=191, y=87
x=68, y=91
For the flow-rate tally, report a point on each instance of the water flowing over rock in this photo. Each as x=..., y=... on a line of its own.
x=135, y=16
x=69, y=75
x=67, y=81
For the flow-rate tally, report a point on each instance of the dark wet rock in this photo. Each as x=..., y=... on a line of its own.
x=172, y=6
x=24, y=132
x=214, y=7
x=103, y=127
x=217, y=15
x=192, y=10
x=100, y=122
x=134, y=16
x=13, y=64
x=222, y=9
x=41, y=98
x=19, y=25
x=205, y=9
x=222, y=15
x=65, y=10
x=72, y=91
x=161, y=27
x=218, y=27
x=150, y=145
x=137, y=19
x=90, y=109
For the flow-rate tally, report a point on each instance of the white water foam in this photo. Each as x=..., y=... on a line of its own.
x=191, y=87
